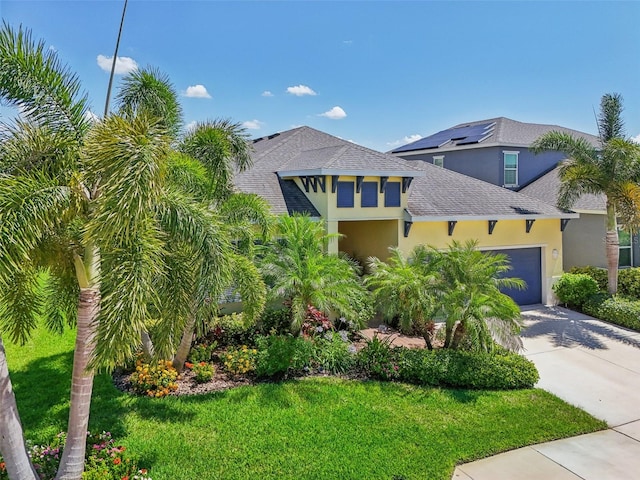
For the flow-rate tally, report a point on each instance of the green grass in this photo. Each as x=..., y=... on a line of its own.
x=309, y=429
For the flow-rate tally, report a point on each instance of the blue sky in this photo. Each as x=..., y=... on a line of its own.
x=377, y=73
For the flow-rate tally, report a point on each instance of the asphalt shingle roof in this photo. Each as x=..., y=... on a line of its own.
x=547, y=187
x=506, y=132
x=435, y=191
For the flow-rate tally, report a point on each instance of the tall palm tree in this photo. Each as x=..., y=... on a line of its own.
x=406, y=287
x=93, y=206
x=299, y=271
x=612, y=170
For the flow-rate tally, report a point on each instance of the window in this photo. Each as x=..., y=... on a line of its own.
x=626, y=254
x=392, y=194
x=345, y=194
x=510, y=169
x=369, y=194
x=439, y=161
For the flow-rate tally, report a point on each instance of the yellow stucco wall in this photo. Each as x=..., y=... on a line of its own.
x=506, y=234
x=363, y=239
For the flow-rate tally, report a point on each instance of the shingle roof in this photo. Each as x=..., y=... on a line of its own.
x=506, y=132
x=435, y=192
x=547, y=187
x=445, y=193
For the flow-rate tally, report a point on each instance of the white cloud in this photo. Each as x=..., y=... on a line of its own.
x=347, y=42
x=267, y=93
x=636, y=138
x=300, y=90
x=405, y=140
x=123, y=64
x=197, y=91
x=92, y=117
x=336, y=113
x=253, y=124
x=52, y=49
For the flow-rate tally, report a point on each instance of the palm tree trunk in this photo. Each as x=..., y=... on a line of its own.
x=72, y=462
x=185, y=345
x=448, y=336
x=612, y=247
x=12, y=447
x=147, y=345
x=458, y=335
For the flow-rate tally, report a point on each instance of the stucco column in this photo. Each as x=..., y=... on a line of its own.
x=332, y=227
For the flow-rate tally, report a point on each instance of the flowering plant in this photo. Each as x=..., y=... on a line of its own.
x=154, y=380
x=204, y=371
x=104, y=460
x=315, y=322
x=240, y=360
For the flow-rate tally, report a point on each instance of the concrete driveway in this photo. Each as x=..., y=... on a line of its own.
x=595, y=366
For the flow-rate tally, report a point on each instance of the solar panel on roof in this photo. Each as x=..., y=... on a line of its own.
x=463, y=135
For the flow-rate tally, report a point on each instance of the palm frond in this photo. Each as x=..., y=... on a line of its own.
x=149, y=92
x=21, y=304
x=610, y=123
x=33, y=79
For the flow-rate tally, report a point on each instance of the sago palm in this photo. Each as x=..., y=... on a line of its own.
x=612, y=170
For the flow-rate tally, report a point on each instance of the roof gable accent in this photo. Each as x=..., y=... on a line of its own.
x=500, y=131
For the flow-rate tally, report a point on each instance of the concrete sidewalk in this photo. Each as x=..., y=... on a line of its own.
x=590, y=364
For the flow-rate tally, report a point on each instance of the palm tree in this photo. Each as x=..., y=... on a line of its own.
x=406, y=288
x=612, y=170
x=94, y=207
x=461, y=285
x=474, y=308
x=299, y=270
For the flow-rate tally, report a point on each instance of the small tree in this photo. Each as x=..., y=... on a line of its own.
x=299, y=270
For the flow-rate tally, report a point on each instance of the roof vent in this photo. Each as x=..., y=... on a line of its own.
x=273, y=136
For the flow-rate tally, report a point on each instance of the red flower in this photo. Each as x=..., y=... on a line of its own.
x=117, y=461
x=143, y=471
x=188, y=364
x=3, y=466
x=126, y=477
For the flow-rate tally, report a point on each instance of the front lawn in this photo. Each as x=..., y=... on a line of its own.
x=314, y=428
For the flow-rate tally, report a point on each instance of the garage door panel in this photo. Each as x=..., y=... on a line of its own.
x=526, y=264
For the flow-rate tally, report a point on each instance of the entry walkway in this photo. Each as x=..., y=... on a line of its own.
x=590, y=364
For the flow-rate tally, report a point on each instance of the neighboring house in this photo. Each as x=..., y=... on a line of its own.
x=494, y=150
x=497, y=151
x=377, y=200
x=583, y=239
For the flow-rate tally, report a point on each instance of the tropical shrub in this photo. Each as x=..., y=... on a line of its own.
x=239, y=361
x=574, y=289
x=597, y=273
x=334, y=354
x=280, y=355
x=619, y=310
x=232, y=330
x=203, y=372
x=104, y=459
x=629, y=282
x=378, y=359
x=202, y=352
x=500, y=369
x=154, y=380
x=275, y=322
x=315, y=323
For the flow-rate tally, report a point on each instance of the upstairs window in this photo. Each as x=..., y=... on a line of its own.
x=369, y=194
x=510, y=169
x=438, y=161
x=345, y=194
x=626, y=252
x=392, y=194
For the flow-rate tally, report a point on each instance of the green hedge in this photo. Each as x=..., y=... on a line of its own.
x=619, y=310
x=574, y=289
x=463, y=369
x=629, y=282
x=600, y=275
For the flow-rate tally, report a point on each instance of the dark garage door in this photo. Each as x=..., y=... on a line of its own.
x=526, y=264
